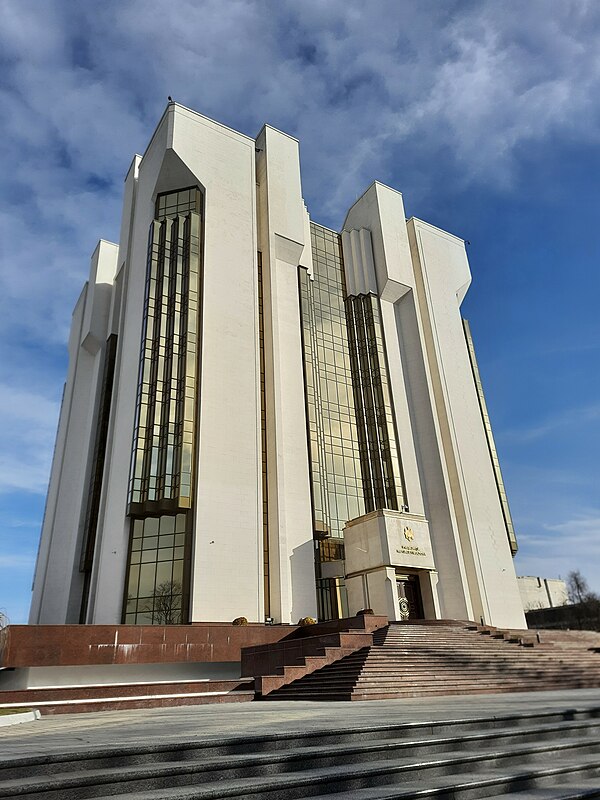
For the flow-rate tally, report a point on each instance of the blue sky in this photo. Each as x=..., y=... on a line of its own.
x=486, y=115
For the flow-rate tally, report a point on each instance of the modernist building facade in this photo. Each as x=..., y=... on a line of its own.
x=267, y=418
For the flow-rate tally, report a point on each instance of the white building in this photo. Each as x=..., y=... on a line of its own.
x=247, y=388
x=542, y=592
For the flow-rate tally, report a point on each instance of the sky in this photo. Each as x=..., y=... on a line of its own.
x=486, y=115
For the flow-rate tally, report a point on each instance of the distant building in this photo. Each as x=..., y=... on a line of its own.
x=265, y=417
x=542, y=592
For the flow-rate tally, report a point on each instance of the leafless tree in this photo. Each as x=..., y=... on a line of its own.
x=586, y=604
x=3, y=631
x=577, y=587
x=166, y=604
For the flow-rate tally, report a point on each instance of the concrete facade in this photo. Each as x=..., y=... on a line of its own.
x=274, y=292
x=542, y=592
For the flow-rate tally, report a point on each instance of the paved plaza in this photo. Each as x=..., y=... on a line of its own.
x=69, y=732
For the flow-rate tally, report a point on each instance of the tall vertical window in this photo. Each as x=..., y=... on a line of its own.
x=383, y=481
x=263, y=440
x=157, y=581
x=334, y=448
x=333, y=441
x=354, y=456
x=162, y=469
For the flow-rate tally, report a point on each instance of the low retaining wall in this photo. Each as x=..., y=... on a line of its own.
x=73, y=645
x=578, y=616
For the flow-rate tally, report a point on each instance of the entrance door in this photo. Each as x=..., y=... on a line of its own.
x=410, y=590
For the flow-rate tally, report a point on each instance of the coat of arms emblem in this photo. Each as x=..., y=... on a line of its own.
x=409, y=534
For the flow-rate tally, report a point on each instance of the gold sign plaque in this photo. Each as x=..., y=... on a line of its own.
x=409, y=534
x=411, y=551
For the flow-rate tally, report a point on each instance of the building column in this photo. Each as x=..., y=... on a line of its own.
x=282, y=239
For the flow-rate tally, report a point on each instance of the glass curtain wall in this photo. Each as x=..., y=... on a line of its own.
x=157, y=585
x=162, y=470
x=383, y=481
x=332, y=430
x=354, y=454
x=263, y=439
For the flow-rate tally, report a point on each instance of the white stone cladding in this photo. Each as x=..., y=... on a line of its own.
x=57, y=581
x=284, y=240
x=422, y=276
x=253, y=202
x=227, y=573
x=542, y=592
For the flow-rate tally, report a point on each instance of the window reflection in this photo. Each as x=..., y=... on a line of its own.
x=156, y=587
x=354, y=457
x=162, y=468
x=383, y=482
x=334, y=447
x=162, y=464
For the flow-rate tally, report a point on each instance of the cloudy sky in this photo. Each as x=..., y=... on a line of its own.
x=486, y=115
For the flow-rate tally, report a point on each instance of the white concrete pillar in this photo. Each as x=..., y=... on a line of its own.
x=283, y=240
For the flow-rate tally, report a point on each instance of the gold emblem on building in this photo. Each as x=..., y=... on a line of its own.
x=404, y=608
x=409, y=534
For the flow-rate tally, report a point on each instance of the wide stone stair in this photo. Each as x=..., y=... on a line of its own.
x=411, y=660
x=115, y=697
x=553, y=755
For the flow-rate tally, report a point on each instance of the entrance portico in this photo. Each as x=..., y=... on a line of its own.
x=390, y=566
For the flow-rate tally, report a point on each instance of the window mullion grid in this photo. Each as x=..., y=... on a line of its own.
x=153, y=340
x=142, y=396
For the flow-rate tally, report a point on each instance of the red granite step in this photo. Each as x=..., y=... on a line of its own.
x=425, y=660
x=78, y=699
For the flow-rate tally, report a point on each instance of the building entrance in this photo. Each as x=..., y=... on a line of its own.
x=409, y=597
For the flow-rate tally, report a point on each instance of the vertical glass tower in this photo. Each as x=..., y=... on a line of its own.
x=336, y=479
x=162, y=473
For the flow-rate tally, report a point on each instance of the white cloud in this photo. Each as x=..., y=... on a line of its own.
x=17, y=561
x=557, y=548
x=578, y=416
x=27, y=438
x=360, y=84
x=582, y=528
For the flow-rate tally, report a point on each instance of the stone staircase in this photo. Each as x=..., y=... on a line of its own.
x=115, y=697
x=553, y=755
x=411, y=660
x=286, y=664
